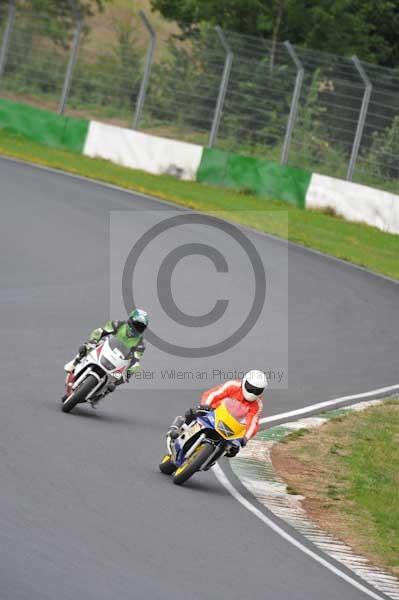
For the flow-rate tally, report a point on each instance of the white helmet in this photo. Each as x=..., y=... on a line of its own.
x=253, y=384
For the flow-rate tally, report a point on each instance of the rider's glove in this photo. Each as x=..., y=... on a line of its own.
x=82, y=351
x=132, y=370
x=244, y=442
x=203, y=409
x=190, y=414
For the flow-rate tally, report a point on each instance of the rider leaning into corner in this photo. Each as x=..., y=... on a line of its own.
x=248, y=392
x=129, y=332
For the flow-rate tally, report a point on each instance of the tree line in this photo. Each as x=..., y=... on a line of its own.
x=368, y=28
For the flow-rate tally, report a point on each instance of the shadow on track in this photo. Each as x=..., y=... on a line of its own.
x=206, y=487
x=210, y=486
x=95, y=415
x=89, y=413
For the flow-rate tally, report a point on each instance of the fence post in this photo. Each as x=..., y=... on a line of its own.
x=78, y=18
x=223, y=87
x=147, y=71
x=7, y=36
x=362, y=117
x=294, y=102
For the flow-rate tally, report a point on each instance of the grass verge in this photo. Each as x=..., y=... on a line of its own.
x=347, y=470
x=353, y=242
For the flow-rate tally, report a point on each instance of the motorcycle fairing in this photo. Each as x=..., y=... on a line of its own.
x=113, y=352
x=213, y=425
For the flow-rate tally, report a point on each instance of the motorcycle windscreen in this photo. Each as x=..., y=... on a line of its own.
x=116, y=344
x=236, y=409
x=231, y=418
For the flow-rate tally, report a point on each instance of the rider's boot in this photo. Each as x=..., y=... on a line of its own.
x=111, y=388
x=175, y=428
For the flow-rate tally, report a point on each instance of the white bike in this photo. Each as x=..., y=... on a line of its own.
x=97, y=373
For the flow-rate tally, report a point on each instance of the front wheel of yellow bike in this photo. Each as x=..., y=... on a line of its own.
x=193, y=463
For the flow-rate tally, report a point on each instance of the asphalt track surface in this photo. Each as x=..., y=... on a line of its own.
x=84, y=512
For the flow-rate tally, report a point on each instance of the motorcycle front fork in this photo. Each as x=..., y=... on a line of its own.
x=214, y=457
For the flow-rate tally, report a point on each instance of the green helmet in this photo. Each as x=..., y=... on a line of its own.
x=138, y=321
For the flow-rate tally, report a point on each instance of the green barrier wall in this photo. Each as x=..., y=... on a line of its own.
x=42, y=126
x=261, y=177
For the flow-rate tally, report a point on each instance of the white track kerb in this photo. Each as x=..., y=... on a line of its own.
x=289, y=538
x=223, y=479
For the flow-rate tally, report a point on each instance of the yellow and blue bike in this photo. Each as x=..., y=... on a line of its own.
x=203, y=441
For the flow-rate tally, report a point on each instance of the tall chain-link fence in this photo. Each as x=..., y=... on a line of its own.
x=333, y=115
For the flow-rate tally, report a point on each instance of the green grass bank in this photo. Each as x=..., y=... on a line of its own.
x=353, y=242
x=347, y=470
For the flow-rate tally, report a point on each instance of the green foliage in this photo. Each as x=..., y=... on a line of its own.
x=294, y=435
x=383, y=156
x=310, y=138
x=333, y=492
x=185, y=82
x=61, y=9
x=183, y=88
x=363, y=27
x=249, y=117
x=372, y=464
x=60, y=15
x=112, y=78
x=108, y=78
x=238, y=15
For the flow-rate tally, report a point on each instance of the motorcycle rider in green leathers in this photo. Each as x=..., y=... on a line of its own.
x=129, y=332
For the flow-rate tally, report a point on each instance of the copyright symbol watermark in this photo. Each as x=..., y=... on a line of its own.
x=164, y=283
x=206, y=284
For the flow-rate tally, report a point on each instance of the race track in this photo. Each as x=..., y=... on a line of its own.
x=84, y=512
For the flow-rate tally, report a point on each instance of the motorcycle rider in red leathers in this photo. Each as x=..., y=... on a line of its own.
x=248, y=392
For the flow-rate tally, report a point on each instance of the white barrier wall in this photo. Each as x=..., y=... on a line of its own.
x=159, y=156
x=142, y=151
x=355, y=202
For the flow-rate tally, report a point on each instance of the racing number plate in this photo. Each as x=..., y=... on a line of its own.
x=192, y=430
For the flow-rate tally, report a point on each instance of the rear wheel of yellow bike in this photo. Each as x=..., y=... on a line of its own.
x=166, y=465
x=192, y=464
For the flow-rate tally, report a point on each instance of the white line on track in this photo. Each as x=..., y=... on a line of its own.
x=328, y=404
x=217, y=469
x=222, y=478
